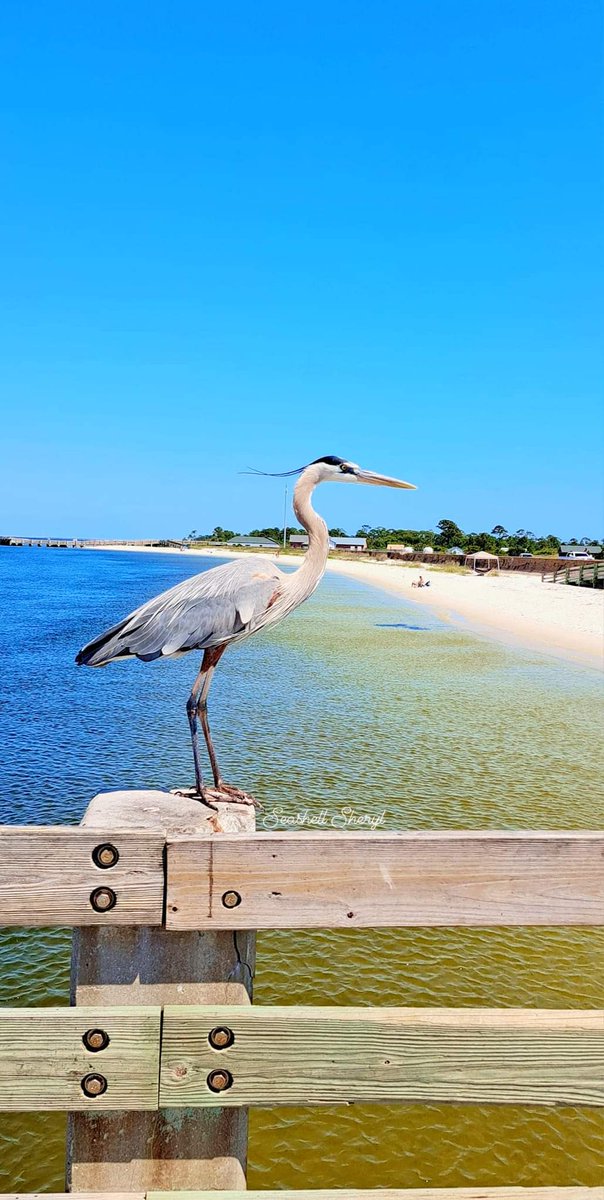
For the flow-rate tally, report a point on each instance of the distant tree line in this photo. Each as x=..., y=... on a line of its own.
x=449, y=536
x=446, y=536
x=272, y=531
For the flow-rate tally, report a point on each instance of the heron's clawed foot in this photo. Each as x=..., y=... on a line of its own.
x=193, y=793
x=225, y=793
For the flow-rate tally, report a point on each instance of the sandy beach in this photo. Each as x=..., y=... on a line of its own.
x=566, y=622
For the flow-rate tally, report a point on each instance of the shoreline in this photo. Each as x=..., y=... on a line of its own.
x=519, y=610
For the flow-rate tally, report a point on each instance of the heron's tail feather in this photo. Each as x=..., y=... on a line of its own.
x=104, y=648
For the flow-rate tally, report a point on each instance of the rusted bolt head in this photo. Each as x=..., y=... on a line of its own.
x=231, y=899
x=94, y=1085
x=95, y=1039
x=219, y=1081
x=105, y=855
x=221, y=1037
x=103, y=899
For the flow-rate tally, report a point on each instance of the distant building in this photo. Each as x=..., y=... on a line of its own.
x=399, y=548
x=257, y=542
x=594, y=550
x=299, y=541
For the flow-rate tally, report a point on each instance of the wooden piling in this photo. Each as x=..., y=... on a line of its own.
x=178, y=1149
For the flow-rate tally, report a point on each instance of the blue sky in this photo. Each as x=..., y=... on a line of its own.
x=252, y=234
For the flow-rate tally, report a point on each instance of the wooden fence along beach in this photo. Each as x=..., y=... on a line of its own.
x=161, y=1053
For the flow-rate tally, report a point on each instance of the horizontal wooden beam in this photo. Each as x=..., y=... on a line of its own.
x=89, y=1059
x=81, y=876
x=470, y=1193
x=464, y=1193
x=334, y=880
x=60, y=875
x=79, y=1059
x=315, y=1056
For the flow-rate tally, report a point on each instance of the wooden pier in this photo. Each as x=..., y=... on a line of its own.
x=161, y=1053
x=585, y=574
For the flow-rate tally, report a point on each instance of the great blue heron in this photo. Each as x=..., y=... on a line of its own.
x=226, y=604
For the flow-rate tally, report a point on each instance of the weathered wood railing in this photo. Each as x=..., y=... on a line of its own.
x=162, y=970
x=204, y=1056
x=470, y=1193
x=106, y=877
x=585, y=574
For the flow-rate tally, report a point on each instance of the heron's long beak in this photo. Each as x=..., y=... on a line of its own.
x=382, y=480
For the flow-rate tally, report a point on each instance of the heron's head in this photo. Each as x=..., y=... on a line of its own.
x=331, y=469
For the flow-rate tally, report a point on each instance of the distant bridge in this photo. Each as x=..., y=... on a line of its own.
x=79, y=543
x=39, y=541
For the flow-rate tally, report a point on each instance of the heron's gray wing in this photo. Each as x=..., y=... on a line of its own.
x=207, y=610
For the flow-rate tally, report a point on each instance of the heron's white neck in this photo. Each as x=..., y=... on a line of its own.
x=313, y=567
x=301, y=584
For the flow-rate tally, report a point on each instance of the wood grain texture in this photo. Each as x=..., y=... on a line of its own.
x=334, y=880
x=470, y=1193
x=465, y=1193
x=43, y=1059
x=298, y=1056
x=47, y=875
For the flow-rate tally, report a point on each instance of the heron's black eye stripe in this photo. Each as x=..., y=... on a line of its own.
x=346, y=470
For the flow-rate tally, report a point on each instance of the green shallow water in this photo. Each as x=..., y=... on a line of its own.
x=338, y=711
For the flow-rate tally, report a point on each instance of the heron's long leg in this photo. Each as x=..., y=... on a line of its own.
x=192, y=703
x=222, y=791
x=202, y=712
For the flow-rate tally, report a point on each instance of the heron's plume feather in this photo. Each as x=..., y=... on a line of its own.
x=273, y=474
x=332, y=460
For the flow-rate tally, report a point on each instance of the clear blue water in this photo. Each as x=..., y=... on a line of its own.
x=356, y=703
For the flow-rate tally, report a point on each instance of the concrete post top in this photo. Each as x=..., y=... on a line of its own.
x=164, y=812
